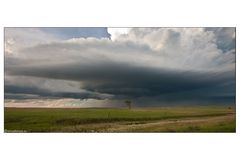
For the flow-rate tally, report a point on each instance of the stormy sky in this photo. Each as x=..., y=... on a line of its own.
x=150, y=66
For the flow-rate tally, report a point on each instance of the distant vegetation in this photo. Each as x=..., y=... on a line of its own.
x=187, y=119
x=128, y=103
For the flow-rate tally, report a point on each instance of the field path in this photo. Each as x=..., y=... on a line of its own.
x=161, y=123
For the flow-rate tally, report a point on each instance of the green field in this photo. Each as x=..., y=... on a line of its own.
x=170, y=119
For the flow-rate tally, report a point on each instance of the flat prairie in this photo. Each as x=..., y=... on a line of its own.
x=159, y=119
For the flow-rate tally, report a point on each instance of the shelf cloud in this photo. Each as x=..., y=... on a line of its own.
x=151, y=66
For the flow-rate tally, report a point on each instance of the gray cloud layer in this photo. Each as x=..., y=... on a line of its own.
x=148, y=65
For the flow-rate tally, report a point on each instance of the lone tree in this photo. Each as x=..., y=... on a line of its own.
x=128, y=103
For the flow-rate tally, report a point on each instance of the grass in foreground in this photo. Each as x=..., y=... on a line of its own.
x=187, y=119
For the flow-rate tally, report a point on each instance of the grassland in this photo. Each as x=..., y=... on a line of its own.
x=177, y=119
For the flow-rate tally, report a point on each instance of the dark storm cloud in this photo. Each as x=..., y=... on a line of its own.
x=156, y=65
x=123, y=79
x=20, y=96
x=24, y=92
